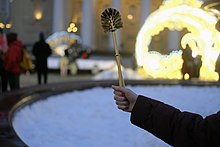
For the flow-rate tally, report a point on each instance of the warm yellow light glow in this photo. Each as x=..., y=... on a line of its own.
x=38, y=15
x=69, y=29
x=2, y=25
x=213, y=7
x=203, y=39
x=72, y=28
x=72, y=25
x=194, y=54
x=186, y=76
x=163, y=66
x=130, y=17
x=75, y=29
x=8, y=26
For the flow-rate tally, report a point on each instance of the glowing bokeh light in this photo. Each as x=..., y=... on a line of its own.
x=2, y=25
x=130, y=17
x=203, y=39
x=8, y=26
x=72, y=28
x=38, y=15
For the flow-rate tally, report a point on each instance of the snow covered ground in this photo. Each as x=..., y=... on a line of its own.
x=90, y=118
x=112, y=73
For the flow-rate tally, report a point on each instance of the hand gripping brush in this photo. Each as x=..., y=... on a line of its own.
x=111, y=21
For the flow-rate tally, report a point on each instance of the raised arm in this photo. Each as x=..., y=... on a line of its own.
x=179, y=129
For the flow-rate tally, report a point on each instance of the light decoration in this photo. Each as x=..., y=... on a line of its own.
x=7, y=26
x=212, y=8
x=38, y=9
x=2, y=25
x=60, y=41
x=72, y=28
x=38, y=15
x=203, y=39
x=130, y=16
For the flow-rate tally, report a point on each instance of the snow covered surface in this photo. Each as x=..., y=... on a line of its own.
x=91, y=118
x=83, y=64
x=89, y=64
x=53, y=62
x=112, y=73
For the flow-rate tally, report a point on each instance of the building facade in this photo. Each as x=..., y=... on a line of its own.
x=29, y=17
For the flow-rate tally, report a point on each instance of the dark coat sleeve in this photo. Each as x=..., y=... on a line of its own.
x=179, y=129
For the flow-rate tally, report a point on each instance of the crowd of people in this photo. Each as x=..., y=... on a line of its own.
x=11, y=56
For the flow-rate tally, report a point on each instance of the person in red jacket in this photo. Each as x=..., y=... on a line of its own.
x=12, y=59
x=176, y=128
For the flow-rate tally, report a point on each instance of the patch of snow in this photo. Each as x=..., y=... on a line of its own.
x=90, y=117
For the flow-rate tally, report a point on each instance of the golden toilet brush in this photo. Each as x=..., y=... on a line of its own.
x=111, y=20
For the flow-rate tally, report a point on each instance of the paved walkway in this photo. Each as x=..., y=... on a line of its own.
x=31, y=79
x=7, y=137
x=27, y=80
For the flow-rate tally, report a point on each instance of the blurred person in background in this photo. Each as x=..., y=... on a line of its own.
x=197, y=65
x=187, y=67
x=3, y=48
x=41, y=51
x=64, y=63
x=12, y=61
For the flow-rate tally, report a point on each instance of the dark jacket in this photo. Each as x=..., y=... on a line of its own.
x=179, y=129
x=41, y=51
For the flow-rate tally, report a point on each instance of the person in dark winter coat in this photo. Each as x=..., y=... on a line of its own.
x=187, y=67
x=12, y=59
x=176, y=128
x=41, y=51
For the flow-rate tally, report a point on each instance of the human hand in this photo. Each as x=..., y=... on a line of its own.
x=124, y=97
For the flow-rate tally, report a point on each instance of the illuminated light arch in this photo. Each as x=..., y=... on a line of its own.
x=176, y=15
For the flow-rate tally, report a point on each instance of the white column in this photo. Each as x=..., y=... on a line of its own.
x=173, y=40
x=87, y=24
x=145, y=10
x=115, y=5
x=58, y=16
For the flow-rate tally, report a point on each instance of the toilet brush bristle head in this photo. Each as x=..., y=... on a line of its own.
x=111, y=20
